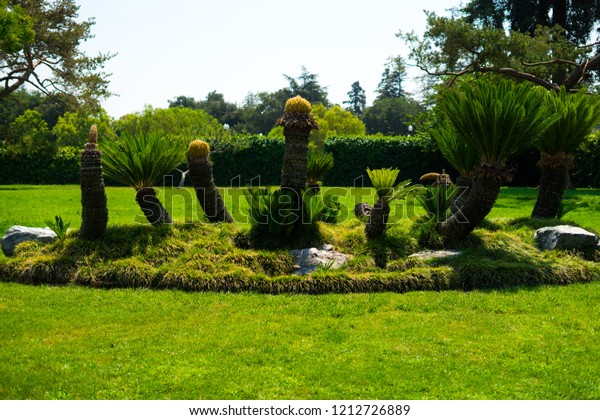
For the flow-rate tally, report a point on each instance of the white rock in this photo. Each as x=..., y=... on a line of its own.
x=17, y=234
x=425, y=255
x=308, y=260
x=564, y=237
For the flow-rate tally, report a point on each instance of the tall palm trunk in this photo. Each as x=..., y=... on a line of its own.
x=482, y=196
x=94, y=213
x=153, y=209
x=293, y=172
x=201, y=174
x=554, y=169
x=377, y=220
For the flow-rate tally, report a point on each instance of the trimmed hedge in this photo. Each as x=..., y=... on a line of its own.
x=258, y=156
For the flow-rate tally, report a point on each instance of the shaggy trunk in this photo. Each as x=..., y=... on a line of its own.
x=464, y=185
x=152, y=207
x=553, y=182
x=377, y=221
x=293, y=173
x=94, y=213
x=201, y=174
x=482, y=196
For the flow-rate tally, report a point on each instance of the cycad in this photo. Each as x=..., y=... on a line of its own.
x=139, y=161
x=579, y=114
x=318, y=164
x=386, y=190
x=495, y=120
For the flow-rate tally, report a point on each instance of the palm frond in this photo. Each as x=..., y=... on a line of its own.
x=140, y=160
x=462, y=157
x=579, y=114
x=318, y=164
x=384, y=182
x=498, y=119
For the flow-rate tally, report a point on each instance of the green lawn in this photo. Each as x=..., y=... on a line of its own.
x=73, y=342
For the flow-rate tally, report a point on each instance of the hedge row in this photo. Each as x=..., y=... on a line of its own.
x=258, y=160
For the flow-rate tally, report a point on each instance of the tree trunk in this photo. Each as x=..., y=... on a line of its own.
x=483, y=195
x=464, y=185
x=152, y=207
x=550, y=192
x=201, y=174
x=293, y=173
x=377, y=221
x=94, y=213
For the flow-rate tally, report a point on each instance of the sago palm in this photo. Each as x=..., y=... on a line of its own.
x=94, y=212
x=496, y=120
x=318, y=164
x=579, y=114
x=297, y=122
x=139, y=161
x=201, y=173
x=386, y=191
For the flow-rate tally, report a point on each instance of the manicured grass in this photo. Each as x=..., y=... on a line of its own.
x=74, y=343
x=506, y=343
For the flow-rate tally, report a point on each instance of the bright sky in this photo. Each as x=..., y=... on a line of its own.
x=191, y=47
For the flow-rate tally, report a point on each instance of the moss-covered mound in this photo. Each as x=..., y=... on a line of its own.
x=206, y=257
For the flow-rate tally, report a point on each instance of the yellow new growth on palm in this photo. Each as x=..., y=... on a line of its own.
x=198, y=149
x=298, y=105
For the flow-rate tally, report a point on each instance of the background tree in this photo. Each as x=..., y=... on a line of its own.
x=53, y=61
x=391, y=116
x=392, y=79
x=214, y=105
x=578, y=17
x=357, y=100
x=16, y=28
x=71, y=128
x=455, y=47
x=181, y=123
x=29, y=134
x=307, y=86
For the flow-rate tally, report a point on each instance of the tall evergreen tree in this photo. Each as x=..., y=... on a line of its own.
x=307, y=86
x=392, y=79
x=357, y=100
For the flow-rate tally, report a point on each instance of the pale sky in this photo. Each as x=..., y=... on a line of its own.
x=186, y=47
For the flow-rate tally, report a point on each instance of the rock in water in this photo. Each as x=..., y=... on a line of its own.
x=17, y=234
x=564, y=237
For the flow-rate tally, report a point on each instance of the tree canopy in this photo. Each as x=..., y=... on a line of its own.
x=52, y=61
x=16, y=28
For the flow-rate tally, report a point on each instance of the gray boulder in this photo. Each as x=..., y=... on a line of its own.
x=308, y=260
x=564, y=237
x=17, y=234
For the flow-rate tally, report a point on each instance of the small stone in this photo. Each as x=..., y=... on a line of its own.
x=17, y=234
x=426, y=255
x=327, y=247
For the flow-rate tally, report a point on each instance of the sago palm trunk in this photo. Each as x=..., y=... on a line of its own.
x=554, y=169
x=482, y=196
x=464, y=185
x=201, y=174
x=293, y=172
x=153, y=209
x=377, y=221
x=94, y=213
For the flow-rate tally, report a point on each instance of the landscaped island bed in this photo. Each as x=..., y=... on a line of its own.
x=199, y=256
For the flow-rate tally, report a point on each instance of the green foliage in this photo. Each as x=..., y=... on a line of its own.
x=180, y=123
x=59, y=227
x=384, y=182
x=72, y=127
x=497, y=119
x=140, y=160
x=16, y=28
x=391, y=116
x=436, y=201
x=29, y=134
x=462, y=157
x=579, y=115
x=357, y=100
x=318, y=164
x=278, y=218
x=56, y=46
